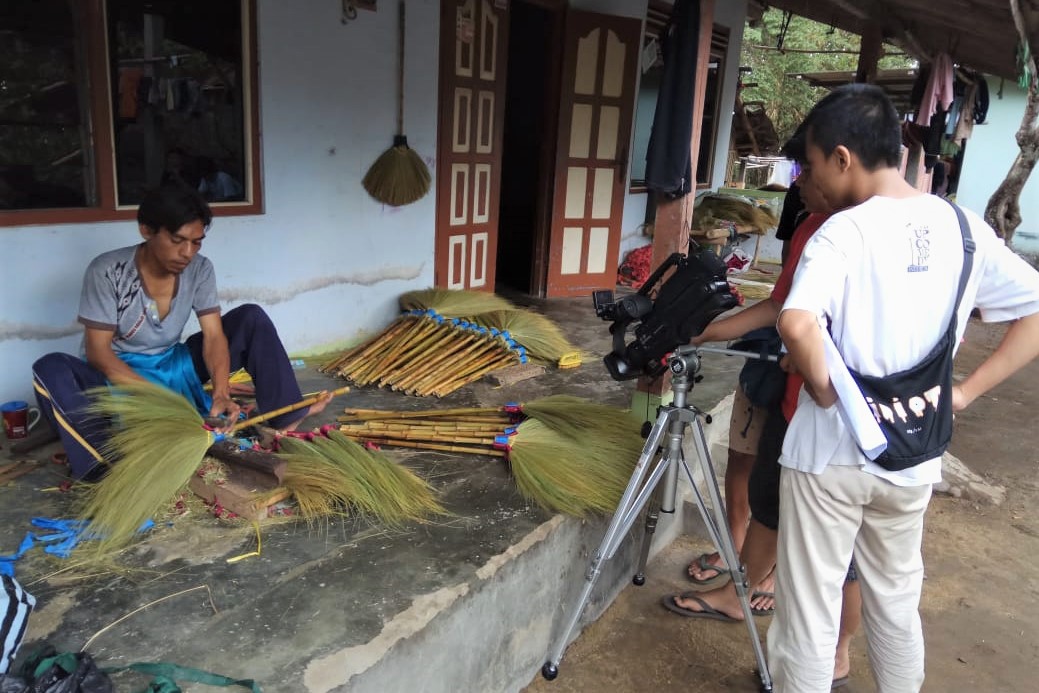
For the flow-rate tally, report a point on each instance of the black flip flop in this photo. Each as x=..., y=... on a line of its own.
x=721, y=575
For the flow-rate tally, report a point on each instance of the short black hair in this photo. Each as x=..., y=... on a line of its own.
x=862, y=118
x=171, y=205
x=795, y=146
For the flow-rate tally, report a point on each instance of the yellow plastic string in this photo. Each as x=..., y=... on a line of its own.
x=259, y=547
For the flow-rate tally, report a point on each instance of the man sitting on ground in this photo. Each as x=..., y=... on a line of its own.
x=134, y=305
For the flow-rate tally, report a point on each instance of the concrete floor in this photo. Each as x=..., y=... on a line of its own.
x=467, y=603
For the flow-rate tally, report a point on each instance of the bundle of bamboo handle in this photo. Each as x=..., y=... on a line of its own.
x=423, y=354
x=474, y=430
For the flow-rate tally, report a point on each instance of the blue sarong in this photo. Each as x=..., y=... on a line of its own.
x=173, y=369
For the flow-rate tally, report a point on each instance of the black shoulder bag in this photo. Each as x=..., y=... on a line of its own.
x=914, y=406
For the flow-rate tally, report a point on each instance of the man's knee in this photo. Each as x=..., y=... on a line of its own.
x=251, y=316
x=51, y=365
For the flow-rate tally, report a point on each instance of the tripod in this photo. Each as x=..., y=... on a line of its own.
x=671, y=422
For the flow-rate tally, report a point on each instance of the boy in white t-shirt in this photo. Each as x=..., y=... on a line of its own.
x=882, y=278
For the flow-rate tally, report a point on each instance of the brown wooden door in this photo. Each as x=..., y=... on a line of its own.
x=473, y=40
x=597, y=102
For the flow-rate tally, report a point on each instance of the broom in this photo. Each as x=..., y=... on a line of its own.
x=399, y=176
x=570, y=455
x=160, y=442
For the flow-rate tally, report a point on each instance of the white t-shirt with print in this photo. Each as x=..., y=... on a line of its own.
x=884, y=276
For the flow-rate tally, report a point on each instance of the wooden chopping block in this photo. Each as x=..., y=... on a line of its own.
x=251, y=475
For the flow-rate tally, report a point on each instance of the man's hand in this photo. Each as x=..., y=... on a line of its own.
x=227, y=409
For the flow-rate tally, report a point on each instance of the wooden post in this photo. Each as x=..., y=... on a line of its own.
x=869, y=54
x=674, y=216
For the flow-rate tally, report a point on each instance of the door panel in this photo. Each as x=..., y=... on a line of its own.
x=595, y=117
x=472, y=112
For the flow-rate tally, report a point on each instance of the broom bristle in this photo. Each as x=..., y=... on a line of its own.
x=158, y=444
x=404, y=496
x=541, y=337
x=398, y=177
x=453, y=303
x=558, y=474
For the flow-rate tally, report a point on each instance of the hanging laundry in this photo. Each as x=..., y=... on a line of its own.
x=939, y=90
x=965, y=124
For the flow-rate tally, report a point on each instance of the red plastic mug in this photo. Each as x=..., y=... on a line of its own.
x=17, y=415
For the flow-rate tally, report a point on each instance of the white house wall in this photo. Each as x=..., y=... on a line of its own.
x=325, y=260
x=991, y=150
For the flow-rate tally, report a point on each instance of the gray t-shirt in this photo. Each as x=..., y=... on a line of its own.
x=113, y=298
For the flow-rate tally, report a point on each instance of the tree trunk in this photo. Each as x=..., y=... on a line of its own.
x=1003, y=212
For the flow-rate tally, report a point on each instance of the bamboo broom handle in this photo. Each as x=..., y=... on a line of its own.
x=414, y=363
x=374, y=343
x=389, y=342
x=421, y=437
x=444, y=448
x=401, y=425
x=428, y=341
x=485, y=367
x=387, y=414
x=460, y=376
x=419, y=332
x=284, y=410
x=475, y=347
x=418, y=369
x=424, y=385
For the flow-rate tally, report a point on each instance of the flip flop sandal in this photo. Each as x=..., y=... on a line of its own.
x=764, y=612
x=721, y=573
x=708, y=611
x=840, y=683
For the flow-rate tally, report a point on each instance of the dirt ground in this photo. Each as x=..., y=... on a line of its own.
x=980, y=602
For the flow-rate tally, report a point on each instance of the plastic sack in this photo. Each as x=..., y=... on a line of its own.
x=69, y=672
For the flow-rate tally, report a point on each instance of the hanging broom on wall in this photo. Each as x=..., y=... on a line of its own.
x=399, y=176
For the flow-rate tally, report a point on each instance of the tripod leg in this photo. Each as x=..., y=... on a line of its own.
x=635, y=497
x=726, y=546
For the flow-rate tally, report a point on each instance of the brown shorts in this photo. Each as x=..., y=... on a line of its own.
x=746, y=424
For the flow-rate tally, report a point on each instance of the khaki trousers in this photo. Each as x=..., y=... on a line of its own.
x=823, y=519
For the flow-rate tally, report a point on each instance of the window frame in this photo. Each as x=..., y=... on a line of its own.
x=102, y=127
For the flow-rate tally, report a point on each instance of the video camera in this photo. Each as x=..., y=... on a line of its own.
x=694, y=295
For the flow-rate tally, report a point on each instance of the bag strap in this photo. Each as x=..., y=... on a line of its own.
x=969, y=246
x=166, y=674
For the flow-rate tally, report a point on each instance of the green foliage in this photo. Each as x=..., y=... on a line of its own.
x=787, y=99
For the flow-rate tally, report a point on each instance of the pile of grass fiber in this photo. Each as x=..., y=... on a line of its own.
x=157, y=442
x=712, y=209
x=453, y=303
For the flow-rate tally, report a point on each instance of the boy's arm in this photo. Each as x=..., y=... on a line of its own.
x=1019, y=346
x=801, y=334
x=761, y=314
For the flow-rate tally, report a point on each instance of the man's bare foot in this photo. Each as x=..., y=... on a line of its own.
x=316, y=408
x=706, y=568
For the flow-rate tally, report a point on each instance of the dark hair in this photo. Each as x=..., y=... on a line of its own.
x=795, y=146
x=171, y=205
x=862, y=118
